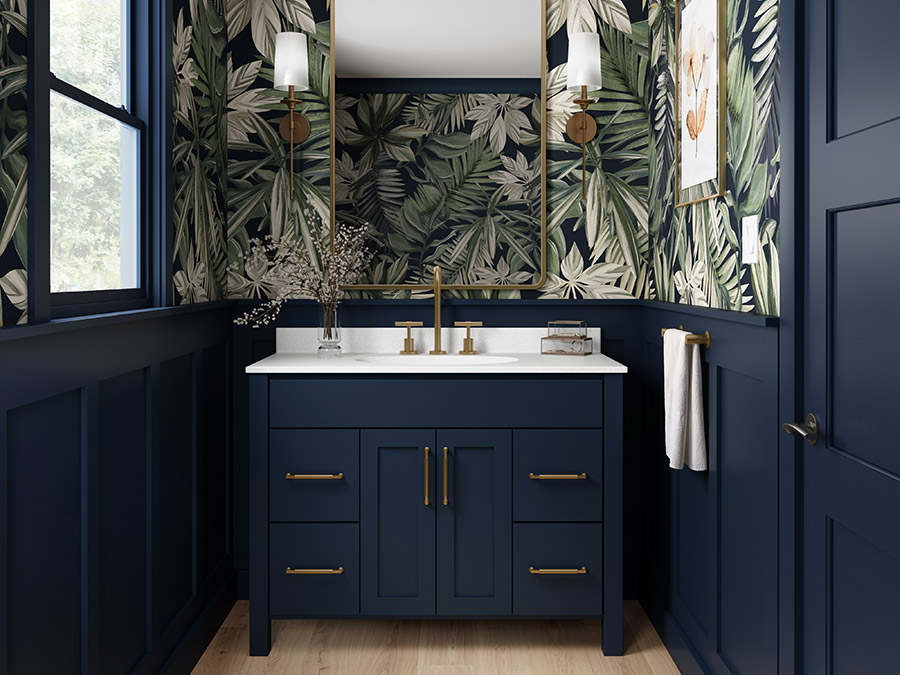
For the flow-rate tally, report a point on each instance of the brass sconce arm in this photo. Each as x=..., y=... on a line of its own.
x=582, y=128
x=294, y=128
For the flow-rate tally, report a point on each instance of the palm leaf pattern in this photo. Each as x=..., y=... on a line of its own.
x=443, y=179
x=697, y=251
x=258, y=176
x=13, y=162
x=200, y=161
x=452, y=179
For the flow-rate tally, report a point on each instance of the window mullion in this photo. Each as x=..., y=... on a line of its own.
x=101, y=106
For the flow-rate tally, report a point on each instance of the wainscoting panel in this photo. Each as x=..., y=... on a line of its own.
x=122, y=516
x=748, y=522
x=44, y=566
x=176, y=486
x=213, y=465
x=711, y=542
x=115, y=497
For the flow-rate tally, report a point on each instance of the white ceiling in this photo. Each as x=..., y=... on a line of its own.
x=437, y=38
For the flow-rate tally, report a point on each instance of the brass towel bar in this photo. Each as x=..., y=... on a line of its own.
x=314, y=476
x=692, y=339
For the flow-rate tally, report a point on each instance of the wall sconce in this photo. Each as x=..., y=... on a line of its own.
x=583, y=74
x=291, y=74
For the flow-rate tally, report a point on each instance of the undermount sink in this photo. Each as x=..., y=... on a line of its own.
x=436, y=359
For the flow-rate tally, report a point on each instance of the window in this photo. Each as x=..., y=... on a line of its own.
x=97, y=218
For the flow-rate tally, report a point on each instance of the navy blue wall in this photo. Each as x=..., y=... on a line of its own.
x=115, y=488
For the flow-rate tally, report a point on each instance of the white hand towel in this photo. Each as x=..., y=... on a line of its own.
x=685, y=434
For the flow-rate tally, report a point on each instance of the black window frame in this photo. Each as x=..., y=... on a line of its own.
x=147, y=111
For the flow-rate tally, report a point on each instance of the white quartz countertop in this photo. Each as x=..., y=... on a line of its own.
x=365, y=351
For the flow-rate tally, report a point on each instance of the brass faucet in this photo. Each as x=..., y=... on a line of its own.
x=437, y=312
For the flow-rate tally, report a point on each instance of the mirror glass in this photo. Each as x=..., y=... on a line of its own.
x=438, y=140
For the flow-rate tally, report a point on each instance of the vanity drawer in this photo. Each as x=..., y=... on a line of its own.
x=557, y=546
x=563, y=453
x=324, y=469
x=317, y=550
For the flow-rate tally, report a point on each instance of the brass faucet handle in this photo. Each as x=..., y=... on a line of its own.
x=468, y=342
x=409, y=344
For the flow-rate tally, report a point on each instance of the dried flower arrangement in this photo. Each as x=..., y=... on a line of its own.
x=296, y=273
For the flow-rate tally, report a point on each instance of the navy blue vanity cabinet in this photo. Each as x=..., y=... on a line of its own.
x=474, y=519
x=397, y=523
x=493, y=496
x=435, y=522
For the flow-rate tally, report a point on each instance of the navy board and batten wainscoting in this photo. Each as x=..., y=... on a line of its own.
x=414, y=514
x=115, y=492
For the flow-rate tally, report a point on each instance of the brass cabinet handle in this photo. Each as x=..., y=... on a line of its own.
x=445, y=475
x=314, y=476
x=427, y=501
x=581, y=570
x=291, y=570
x=557, y=476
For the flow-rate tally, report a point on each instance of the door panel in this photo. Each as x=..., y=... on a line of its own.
x=397, y=527
x=866, y=81
x=851, y=478
x=863, y=393
x=474, y=526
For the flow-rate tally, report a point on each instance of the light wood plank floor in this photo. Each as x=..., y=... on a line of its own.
x=436, y=648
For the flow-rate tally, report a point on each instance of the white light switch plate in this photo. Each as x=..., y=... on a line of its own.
x=750, y=240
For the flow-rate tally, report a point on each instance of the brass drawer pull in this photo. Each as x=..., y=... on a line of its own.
x=445, y=475
x=291, y=570
x=427, y=501
x=582, y=570
x=557, y=476
x=314, y=476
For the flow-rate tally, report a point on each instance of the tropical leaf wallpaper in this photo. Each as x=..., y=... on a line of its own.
x=259, y=200
x=696, y=250
x=200, y=153
x=443, y=179
x=625, y=240
x=13, y=162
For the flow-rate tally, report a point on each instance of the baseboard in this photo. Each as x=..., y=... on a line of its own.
x=201, y=633
x=677, y=644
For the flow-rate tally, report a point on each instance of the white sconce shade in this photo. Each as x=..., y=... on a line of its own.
x=291, y=62
x=584, y=62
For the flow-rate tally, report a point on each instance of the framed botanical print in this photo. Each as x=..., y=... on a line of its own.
x=700, y=99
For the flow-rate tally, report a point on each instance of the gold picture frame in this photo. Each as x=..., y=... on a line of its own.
x=721, y=109
x=543, y=159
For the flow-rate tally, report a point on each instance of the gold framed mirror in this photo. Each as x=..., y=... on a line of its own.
x=494, y=236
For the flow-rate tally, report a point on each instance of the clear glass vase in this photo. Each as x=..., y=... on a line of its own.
x=329, y=332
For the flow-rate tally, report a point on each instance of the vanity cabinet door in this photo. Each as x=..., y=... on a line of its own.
x=396, y=524
x=474, y=522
